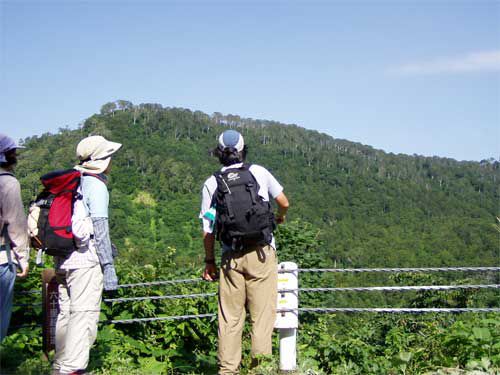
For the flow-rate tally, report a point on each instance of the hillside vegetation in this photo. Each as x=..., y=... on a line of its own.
x=351, y=206
x=371, y=208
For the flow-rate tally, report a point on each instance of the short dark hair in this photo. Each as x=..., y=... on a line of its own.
x=229, y=155
x=10, y=157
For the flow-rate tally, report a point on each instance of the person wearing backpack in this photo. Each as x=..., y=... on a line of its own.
x=235, y=210
x=14, y=249
x=83, y=273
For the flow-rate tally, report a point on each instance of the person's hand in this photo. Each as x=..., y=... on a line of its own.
x=210, y=273
x=24, y=272
x=280, y=219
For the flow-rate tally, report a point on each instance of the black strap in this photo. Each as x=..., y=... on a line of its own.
x=250, y=185
x=222, y=185
x=99, y=176
x=250, y=188
x=66, y=228
x=6, y=174
x=89, y=159
x=65, y=191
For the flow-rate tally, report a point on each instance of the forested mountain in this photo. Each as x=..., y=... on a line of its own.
x=370, y=208
x=351, y=206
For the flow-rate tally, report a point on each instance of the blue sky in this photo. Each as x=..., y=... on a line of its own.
x=406, y=77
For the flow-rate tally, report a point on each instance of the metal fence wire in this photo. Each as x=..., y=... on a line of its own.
x=321, y=310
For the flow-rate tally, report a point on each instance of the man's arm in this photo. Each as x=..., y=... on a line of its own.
x=276, y=191
x=283, y=205
x=210, y=273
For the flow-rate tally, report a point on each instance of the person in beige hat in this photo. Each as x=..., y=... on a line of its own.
x=14, y=249
x=85, y=272
x=94, y=153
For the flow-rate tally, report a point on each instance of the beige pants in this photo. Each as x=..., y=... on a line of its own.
x=80, y=293
x=246, y=279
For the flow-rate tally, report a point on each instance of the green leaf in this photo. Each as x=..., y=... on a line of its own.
x=481, y=333
x=151, y=366
x=486, y=363
x=491, y=321
x=405, y=356
x=472, y=365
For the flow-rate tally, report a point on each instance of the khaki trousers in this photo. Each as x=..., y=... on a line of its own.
x=80, y=293
x=248, y=278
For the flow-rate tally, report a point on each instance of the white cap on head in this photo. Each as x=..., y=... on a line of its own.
x=231, y=138
x=95, y=153
x=7, y=144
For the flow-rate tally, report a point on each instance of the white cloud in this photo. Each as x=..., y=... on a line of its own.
x=483, y=61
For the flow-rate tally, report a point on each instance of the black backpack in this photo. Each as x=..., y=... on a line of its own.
x=243, y=218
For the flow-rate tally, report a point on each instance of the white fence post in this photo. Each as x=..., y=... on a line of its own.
x=288, y=322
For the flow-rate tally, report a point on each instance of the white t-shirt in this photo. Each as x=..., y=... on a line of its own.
x=268, y=186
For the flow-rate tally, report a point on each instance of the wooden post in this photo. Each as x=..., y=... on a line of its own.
x=50, y=309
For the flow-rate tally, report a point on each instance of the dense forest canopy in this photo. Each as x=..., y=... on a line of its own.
x=370, y=208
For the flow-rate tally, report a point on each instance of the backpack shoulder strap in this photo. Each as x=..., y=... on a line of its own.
x=6, y=174
x=4, y=233
x=246, y=167
x=251, y=182
x=223, y=192
x=98, y=176
x=221, y=183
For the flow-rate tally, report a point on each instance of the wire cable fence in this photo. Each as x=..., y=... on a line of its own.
x=400, y=309
x=160, y=282
x=320, y=270
x=392, y=288
x=175, y=296
x=160, y=318
x=431, y=269
x=308, y=290
x=301, y=309
x=324, y=310
x=28, y=304
x=25, y=292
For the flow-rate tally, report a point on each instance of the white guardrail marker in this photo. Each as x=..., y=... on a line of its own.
x=288, y=322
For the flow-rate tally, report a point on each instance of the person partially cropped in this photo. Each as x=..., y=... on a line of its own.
x=14, y=248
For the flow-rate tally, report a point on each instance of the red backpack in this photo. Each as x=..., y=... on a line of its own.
x=50, y=214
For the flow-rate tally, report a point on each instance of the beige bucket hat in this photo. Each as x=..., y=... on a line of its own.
x=94, y=153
